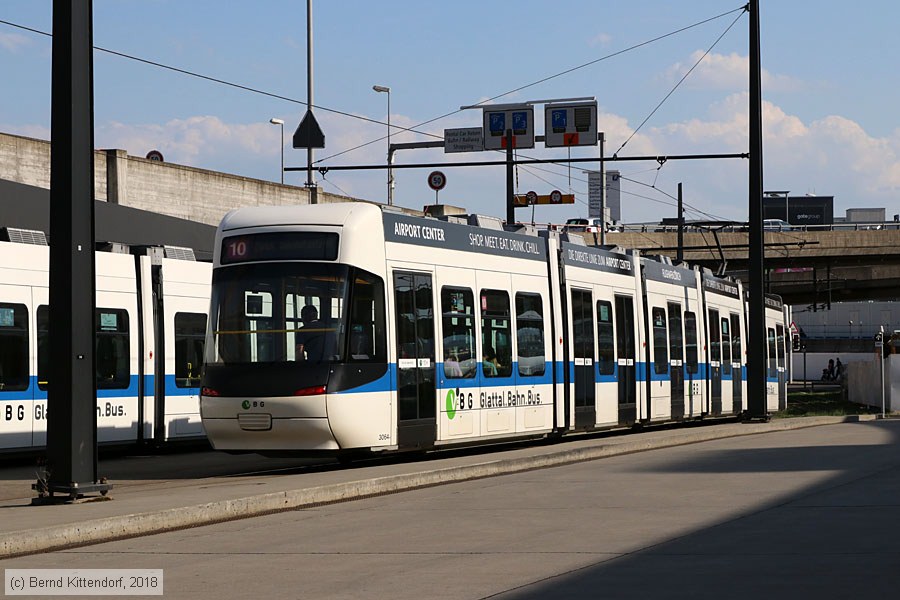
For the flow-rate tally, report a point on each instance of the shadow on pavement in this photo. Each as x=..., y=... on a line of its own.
x=837, y=539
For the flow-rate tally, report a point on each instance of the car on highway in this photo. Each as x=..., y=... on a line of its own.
x=592, y=225
x=776, y=225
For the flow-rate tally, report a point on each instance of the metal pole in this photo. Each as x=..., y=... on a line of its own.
x=510, y=190
x=310, y=178
x=679, y=256
x=880, y=350
x=756, y=360
x=804, y=367
x=282, y=152
x=390, y=181
x=602, y=192
x=72, y=397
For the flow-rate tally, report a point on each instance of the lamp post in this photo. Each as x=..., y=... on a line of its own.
x=390, y=175
x=280, y=123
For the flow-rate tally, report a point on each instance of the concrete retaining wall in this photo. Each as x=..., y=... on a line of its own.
x=165, y=188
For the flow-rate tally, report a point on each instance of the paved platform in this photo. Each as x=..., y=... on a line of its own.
x=153, y=494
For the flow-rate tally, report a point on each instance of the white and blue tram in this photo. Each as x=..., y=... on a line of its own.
x=150, y=323
x=350, y=327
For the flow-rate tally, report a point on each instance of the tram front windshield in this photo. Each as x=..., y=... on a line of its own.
x=278, y=313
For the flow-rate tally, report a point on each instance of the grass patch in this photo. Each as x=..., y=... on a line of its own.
x=822, y=404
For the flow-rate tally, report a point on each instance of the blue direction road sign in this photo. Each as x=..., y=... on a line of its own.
x=520, y=122
x=558, y=120
x=498, y=123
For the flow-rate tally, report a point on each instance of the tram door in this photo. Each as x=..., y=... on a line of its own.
x=625, y=351
x=676, y=358
x=583, y=338
x=737, y=364
x=416, y=403
x=715, y=363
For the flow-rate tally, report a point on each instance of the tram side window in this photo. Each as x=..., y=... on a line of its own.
x=13, y=347
x=367, y=331
x=111, y=348
x=690, y=342
x=715, y=342
x=676, y=339
x=606, y=359
x=773, y=369
x=660, y=341
x=496, y=341
x=190, y=334
x=43, y=346
x=530, y=334
x=111, y=355
x=737, y=354
x=458, y=321
x=779, y=338
x=726, y=348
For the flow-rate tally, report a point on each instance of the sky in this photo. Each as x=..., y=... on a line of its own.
x=830, y=91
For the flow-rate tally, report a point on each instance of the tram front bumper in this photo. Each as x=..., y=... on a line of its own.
x=260, y=424
x=282, y=434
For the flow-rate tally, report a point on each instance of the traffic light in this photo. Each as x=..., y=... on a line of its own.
x=795, y=342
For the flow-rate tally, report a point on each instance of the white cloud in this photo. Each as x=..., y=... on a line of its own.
x=602, y=39
x=833, y=156
x=192, y=140
x=727, y=72
x=13, y=41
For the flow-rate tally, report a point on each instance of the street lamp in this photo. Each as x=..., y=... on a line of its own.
x=280, y=122
x=390, y=176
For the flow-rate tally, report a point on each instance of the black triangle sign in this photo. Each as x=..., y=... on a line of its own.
x=309, y=134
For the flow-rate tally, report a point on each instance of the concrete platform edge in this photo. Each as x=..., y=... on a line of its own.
x=33, y=541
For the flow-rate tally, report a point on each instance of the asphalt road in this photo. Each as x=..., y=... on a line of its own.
x=810, y=513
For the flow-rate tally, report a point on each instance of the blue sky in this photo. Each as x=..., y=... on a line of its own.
x=830, y=89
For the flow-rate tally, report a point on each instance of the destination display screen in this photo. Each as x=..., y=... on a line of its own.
x=281, y=245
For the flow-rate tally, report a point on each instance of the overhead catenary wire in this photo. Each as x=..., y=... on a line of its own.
x=743, y=10
x=413, y=129
x=554, y=76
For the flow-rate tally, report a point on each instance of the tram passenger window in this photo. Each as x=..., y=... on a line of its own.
x=367, y=340
x=779, y=338
x=111, y=354
x=737, y=354
x=190, y=337
x=660, y=341
x=676, y=338
x=43, y=346
x=458, y=325
x=530, y=334
x=690, y=342
x=715, y=342
x=606, y=359
x=13, y=347
x=726, y=348
x=773, y=369
x=496, y=341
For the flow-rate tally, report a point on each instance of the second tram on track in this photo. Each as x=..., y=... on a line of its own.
x=348, y=327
